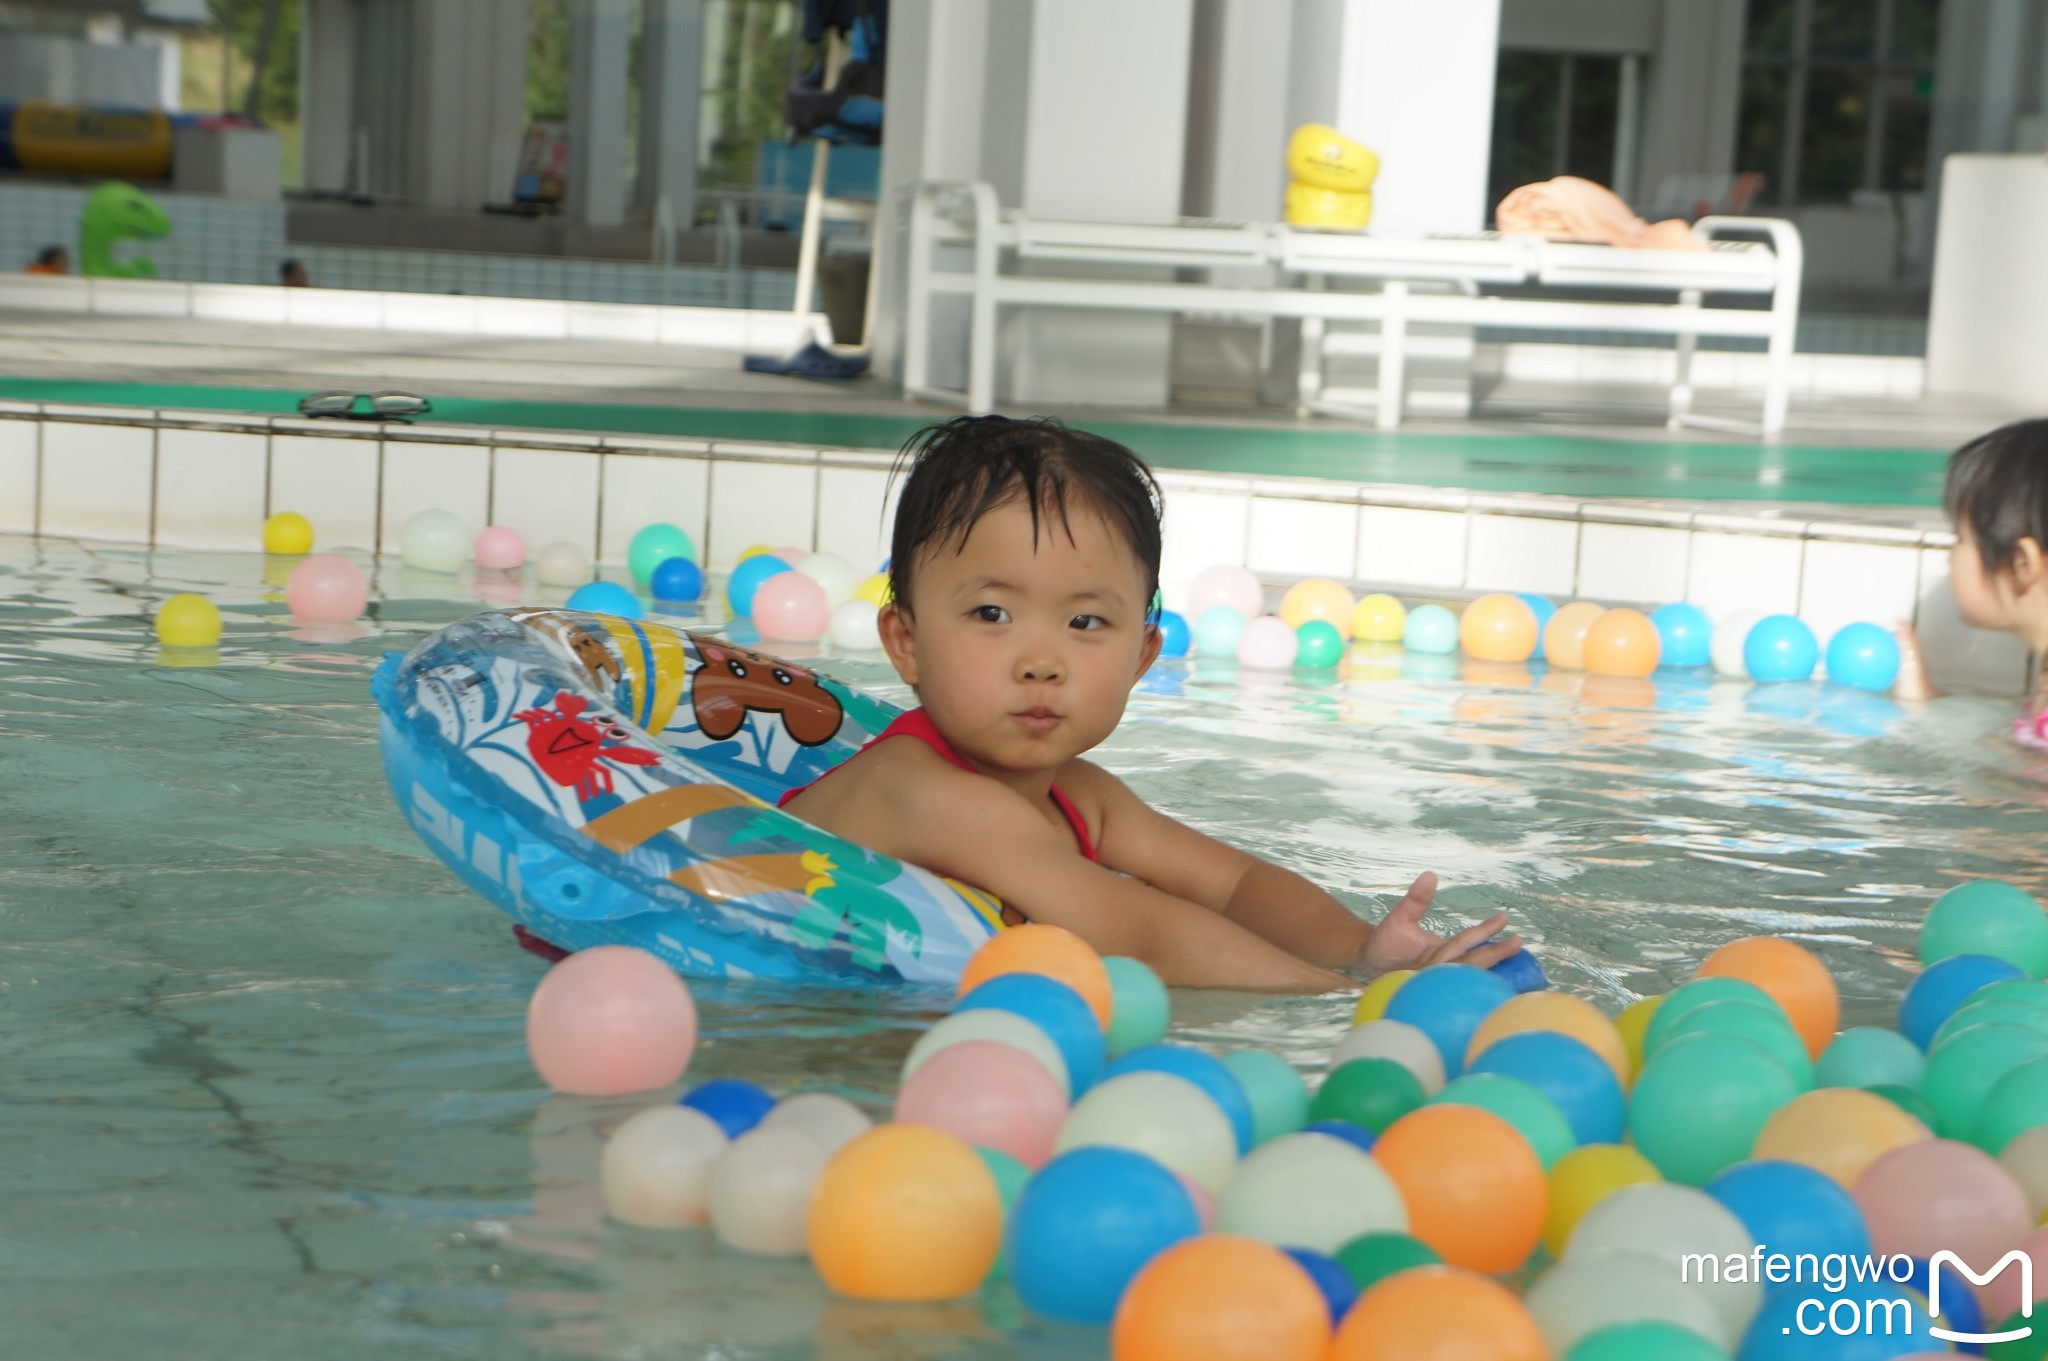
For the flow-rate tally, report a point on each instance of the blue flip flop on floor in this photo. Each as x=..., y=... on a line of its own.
x=812, y=361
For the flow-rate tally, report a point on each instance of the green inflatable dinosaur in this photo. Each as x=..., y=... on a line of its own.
x=115, y=211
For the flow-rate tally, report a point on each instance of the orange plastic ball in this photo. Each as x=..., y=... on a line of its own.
x=1050, y=951
x=1438, y=1313
x=1564, y=637
x=1498, y=628
x=1474, y=1188
x=1319, y=598
x=1622, y=643
x=907, y=1213
x=1221, y=1298
x=1561, y=1013
x=1838, y=1131
x=1794, y=978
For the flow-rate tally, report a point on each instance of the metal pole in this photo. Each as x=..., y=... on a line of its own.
x=814, y=214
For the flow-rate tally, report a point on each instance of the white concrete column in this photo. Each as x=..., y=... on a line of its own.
x=469, y=96
x=671, y=72
x=600, y=35
x=1237, y=109
x=1693, y=94
x=327, y=63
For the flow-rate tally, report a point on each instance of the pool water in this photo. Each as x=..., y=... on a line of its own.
x=261, y=1067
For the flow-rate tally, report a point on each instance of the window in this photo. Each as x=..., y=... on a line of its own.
x=1554, y=113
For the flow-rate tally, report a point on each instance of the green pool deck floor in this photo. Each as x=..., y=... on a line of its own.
x=1482, y=460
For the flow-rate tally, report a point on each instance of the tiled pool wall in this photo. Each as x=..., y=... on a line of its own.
x=206, y=480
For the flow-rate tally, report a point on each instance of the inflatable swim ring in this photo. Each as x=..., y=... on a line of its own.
x=612, y=782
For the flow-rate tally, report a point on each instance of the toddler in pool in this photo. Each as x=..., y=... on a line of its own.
x=1997, y=495
x=1025, y=559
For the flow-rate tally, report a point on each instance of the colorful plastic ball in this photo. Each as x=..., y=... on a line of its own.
x=1048, y=952
x=1572, y=1075
x=1405, y=1044
x=561, y=564
x=499, y=549
x=1318, y=644
x=855, y=627
x=1278, y=1096
x=1986, y=917
x=1358, y=1136
x=1643, y=1342
x=1222, y=1298
x=905, y=1213
x=607, y=597
x=188, y=620
x=652, y=546
x=1175, y=637
x=1863, y=656
x=1671, y=1223
x=2025, y=1157
x=326, y=588
x=746, y=579
x=835, y=574
x=1936, y=994
x=1622, y=643
x=1054, y=1007
x=1498, y=628
x=1160, y=1115
x=1543, y=607
x=1766, y=1025
x=1140, y=1007
x=677, y=579
x=736, y=1104
x=987, y=1094
x=2016, y=1105
x=1204, y=1203
x=1961, y=1310
x=1432, y=630
x=1217, y=630
x=1687, y=997
x=1836, y=1130
x=1310, y=1191
x=609, y=1020
x=791, y=607
x=1332, y=1282
x=1370, y=1093
x=1564, y=637
x=1685, y=633
x=1793, y=1208
x=1583, y=1178
x=288, y=533
x=1701, y=1101
x=1217, y=1082
x=1087, y=1224
x=1906, y=1099
x=1447, y=1002
x=1897, y=1323
x=1962, y=1070
x=792, y=554
x=1379, y=619
x=1438, y=1313
x=1793, y=977
x=1931, y=1194
x=1561, y=1013
x=754, y=550
x=1004, y=1027
x=1979, y=1009
x=1632, y=1025
x=1593, y=1290
x=1267, y=644
x=827, y=1120
x=656, y=1168
x=1488, y=1222
x=1231, y=588
x=1521, y=971
x=761, y=1192
x=434, y=541
x=1372, y=1257
x=874, y=589
x=1372, y=1001
x=1869, y=1056
x=1781, y=647
x=1535, y=1117
x=2005, y=1296
x=1319, y=598
x=1730, y=641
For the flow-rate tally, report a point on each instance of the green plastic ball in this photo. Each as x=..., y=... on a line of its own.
x=1868, y=1056
x=1644, y=1342
x=2032, y=1347
x=2017, y=1102
x=1986, y=917
x=1371, y=1093
x=1139, y=1005
x=1768, y=1026
x=1962, y=1070
x=1702, y=1100
x=1907, y=1100
x=1318, y=644
x=1700, y=992
x=2012, y=990
x=2005, y=1010
x=1534, y=1115
x=1370, y=1259
x=656, y=544
x=1278, y=1095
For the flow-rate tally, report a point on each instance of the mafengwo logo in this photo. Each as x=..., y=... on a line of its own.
x=1947, y=1258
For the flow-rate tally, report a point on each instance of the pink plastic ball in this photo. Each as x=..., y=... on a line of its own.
x=326, y=589
x=611, y=1020
x=1932, y=1194
x=1267, y=644
x=988, y=1094
x=1231, y=586
x=792, y=607
x=500, y=548
x=792, y=554
x=1205, y=1204
x=2004, y=1290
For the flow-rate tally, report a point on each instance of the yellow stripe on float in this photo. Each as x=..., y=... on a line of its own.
x=671, y=670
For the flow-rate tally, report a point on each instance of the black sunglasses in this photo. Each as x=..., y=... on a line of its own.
x=384, y=406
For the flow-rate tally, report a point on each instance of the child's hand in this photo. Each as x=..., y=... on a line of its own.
x=1912, y=683
x=1401, y=941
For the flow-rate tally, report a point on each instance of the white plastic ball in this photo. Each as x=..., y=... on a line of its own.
x=1169, y=1119
x=1671, y=1221
x=434, y=541
x=1587, y=1292
x=1233, y=587
x=854, y=627
x=834, y=573
x=827, y=1120
x=761, y=1191
x=1396, y=1040
x=987, y=1023
x=1310, y=1191
x=1730, y=634
x=657, y=1165
x=562, y=564
x=1267, y=644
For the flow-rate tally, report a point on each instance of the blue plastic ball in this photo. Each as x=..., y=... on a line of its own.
x=1216, y=632
x=1780, y=648
x=1354, y=1134
x=737, y=1106
x=747, y=578
x=1521, y=971
x=1339, y=1291
x=1057, y=1010
x=1431, y=629
x=1544, y=608
x=1086, y=1224
x=1792, y=1208
x=1864, y=656
x=677, y=579
x=1447, y=1002
x=1215, y=1080
x=1936, y=993
x=1960, y=1311
x=607, y=597
x=1569, y=1073
x=1686, y=632
x=1805, y=1321
x=1174, y=637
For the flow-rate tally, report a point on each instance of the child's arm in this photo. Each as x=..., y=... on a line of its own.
x=1913, y=682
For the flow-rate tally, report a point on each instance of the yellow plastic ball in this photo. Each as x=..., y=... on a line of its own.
x=1379, y=619
x=1582, y=1179
x=1318, y=598
x=1320, y=156
x=1372, y=1003
x=1634, y=1024
x=754, y=552
x=1308, y=206
x=288, y=532
x=187, y=621
x=874, y=590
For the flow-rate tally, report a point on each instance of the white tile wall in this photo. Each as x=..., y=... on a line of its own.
x=1958, y=656
x=771, y=503
x=259, y=303
x=1843, y=583
x=857, y=509
x=210, y=489
x=332, y=482
x=333, y=307
x=18, y=476
x=600, y=321
x=1302, y=538
x=640, y=489
x=97, y=480
x=1399, y=546
x=1732, y=572
x=1201, y=529
x=532, y=317
x=1522, y=553
x=1641, y=563
x=430, y=312
x=139, y=298
x=547, y=495
x=420, y=476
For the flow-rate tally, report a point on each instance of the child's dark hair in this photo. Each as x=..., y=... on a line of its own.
x=1998, y=485
x=960, y=471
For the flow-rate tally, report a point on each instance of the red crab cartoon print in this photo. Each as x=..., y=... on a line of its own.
x=569, y=748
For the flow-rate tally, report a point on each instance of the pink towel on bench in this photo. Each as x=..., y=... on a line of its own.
x=1571, y=209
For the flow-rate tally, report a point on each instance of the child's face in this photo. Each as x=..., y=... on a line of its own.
x=1025, y=653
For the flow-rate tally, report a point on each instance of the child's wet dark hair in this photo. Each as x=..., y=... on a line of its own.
x=1998, y=485
x=960, y=471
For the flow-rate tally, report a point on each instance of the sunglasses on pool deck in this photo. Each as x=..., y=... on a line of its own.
x=384, y=406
